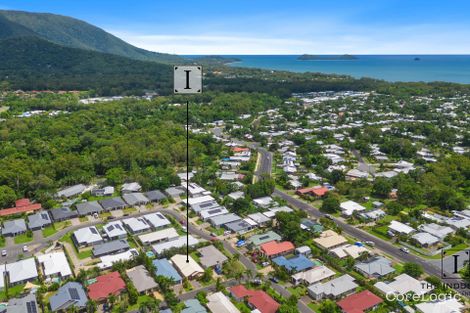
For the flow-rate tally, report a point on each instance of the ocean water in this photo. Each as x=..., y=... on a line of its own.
x=448, y=68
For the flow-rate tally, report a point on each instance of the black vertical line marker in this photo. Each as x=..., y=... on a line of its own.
x=187, y=181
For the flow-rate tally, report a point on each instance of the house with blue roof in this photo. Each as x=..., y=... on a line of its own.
x=294, y=264
x=193, y=306
x=164, y=268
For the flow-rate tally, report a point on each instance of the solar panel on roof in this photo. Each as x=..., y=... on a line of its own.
x=214, y=211
x=118, y=226
x=110, y=227
x=31, y=307
x=263, y=237
x=160, y=216
x=74, y=294
x=44, y=216
x=94, y=231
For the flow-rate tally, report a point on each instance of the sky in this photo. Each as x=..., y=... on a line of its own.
x=237, y=27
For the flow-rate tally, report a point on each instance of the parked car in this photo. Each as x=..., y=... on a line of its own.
x=274, y=279
x=370, y=243
x=184, y=228
x=404, y=249
x=264, y=264
x=4, y=252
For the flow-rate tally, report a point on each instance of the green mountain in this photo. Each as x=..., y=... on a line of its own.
x=73, y=33
x=29, y=62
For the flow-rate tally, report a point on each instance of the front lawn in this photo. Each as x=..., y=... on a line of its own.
x=85, y=254
x=23, y=238
x=49, y=231
x=13, y=292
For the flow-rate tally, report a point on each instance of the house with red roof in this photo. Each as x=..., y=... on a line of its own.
x=240, y=149
x=257, y=299
x=106, y=285
x=273, y=249
x=21, y=206
x=359, y=302
x=316, y=191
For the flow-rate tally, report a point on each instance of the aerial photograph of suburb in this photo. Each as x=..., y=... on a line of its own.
x=234, y=156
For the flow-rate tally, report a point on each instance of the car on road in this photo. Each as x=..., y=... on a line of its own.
x=370, y=243
x=4, y=252
x=25, y=248
x=328, y=216
x=184, y=228
x=274, y=279
x=404, y=249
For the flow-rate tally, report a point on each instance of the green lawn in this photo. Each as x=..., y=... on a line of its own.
x=129, y=210
x=49, y=231
x=23, y=238
x=85, y=254
x=313, y=306
x=298, y=291
x=140, y=300
x=2, y=241
x=83, y=219
x=13, y=292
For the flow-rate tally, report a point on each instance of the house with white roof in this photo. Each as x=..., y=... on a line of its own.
x=346, y=250
x=264, y=202
x=449, y=305
x=55, y=264
x=425, y=239
x=398, y=228
x=157, y=220
x=175, y=243
x=21, y=271
x=333, y=289
x=136, y=225
x=403, y=284
x=312, y=276
x=166, y=234
x=349, y=207
x=207, y=214
x=87, y=236
x=114, y=230
x=198, y=200
x=107, y=261
x=220, y=303
x=437, y=230
x=189, y=269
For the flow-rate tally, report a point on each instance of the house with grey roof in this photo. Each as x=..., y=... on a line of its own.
x=62, y=214
x=175, y=192
x=258, y=240
x=130, y=187
x=207, y=214
x=135, y=198
x=39, y=220
x=87, y=236
x=221, y=220
x=103, y=192
x=115, y=203
x=203, y=206
x=71, y=191
x=136, y=225
x=211, y=256
x=240, y=227
x=88, y=208
x=375, y=267
x=193, y=306
x=26, y=304
x=72, y=294
x=424, y=239
x=114, y=230
x=110, y=247
x=333, y=289
x=155, y=195
x=14, y=227
x=141, y=279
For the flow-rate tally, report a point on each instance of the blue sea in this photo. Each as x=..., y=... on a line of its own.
x=448, y=68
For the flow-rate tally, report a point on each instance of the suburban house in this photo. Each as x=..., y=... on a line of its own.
x=193, y=306
x=114, y=230
x=136, y=225
x=359, y=302
x=313, y=276
x=130, y=187
x=203, y=206
x=221, y=220
x=437, y=230
x=449, y=305
x=115, y=203
x=21, y=206
x=403, y=284
x=39, y=220
x=241, y=227
x=157, y=220
x=210, y=256
x=304, y=250
x=208, y=214
x=294, y=264
x=27, y=304
x=333, y=289
x=69, y=295
x=425, y=239
x=105, y=191
x=375, y=267
x=164, y=268
x=257, y=299
x=135, y=198
x=87, y=236
x=105, y=285
x=349, y=207
x=261, y=219
x=54, y=265
x=175, y=243
x=166, y=234
x=258, y=240
x=89, y=208
x=189, y=270
x=19, y=272
x=398, y=228
x=353, y=251
x=273, y=249
x=220, y=303
x=317, y=191
x=141, y=279
x=155, y=196
x=14, y=227
x=329, y=239
x=71, y=191
x=110, y=247
x=62, y=214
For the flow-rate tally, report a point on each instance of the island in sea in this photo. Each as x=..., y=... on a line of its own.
x=312, y=57
x=215, y=60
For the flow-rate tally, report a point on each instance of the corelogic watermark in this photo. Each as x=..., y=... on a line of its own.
x=453, y=262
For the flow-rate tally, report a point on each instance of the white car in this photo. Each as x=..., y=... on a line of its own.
x=4, y=252
x=25, y=248
x=406, y=250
